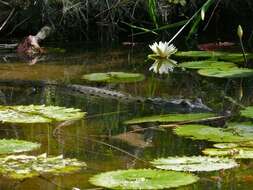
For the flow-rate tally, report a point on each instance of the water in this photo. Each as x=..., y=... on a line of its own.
x=93, y=139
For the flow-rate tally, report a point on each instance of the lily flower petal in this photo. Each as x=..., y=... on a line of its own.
x=163, y=49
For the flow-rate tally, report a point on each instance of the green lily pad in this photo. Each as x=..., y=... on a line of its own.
x=237, y=153
x=142, y=179
x=194, y=163
x=171, y=118
x=199, y=54
x=247, y=112
x=38, y=114
x=234, y=133
x=8, y=146
x=226, y=56
x=233, y=72
x=206, y=64
x=23, y=166
x=114, y=77
x=226, y=145
x=248, y=144
x=244, y=129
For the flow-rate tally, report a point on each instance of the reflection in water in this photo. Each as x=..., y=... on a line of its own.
x=94, y=139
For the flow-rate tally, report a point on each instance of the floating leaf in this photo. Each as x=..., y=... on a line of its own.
x=232, y=72
x=8, y=146
x=23, y=166
x=171, y=118
x=225, y=56
x=234, y=133
x=142, y=179
x=195, y=163
x=38, y=114
x=234, y=145
x=199, y=54
x=206, y=64
x=226, y=145
x=237, y=153
x=247, y=112
x=114, y=77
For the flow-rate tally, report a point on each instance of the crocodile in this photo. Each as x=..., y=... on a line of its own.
x=179, y=104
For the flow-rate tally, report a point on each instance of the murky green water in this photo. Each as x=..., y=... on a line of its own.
x=94, y=139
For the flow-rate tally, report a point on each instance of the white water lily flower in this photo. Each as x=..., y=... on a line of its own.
x=163, y=67
x=163, y=49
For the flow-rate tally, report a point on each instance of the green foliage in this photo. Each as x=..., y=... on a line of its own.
x=142, y=179
x=226, y=145
x=114, y=77
x=237, y=153
x=171, y=118
x=223, y=56
x=206, y=64
x=181, y=2
x=152, y=10
x=247, y=112
x=194, y=163
x=234, y=133
x=23, y=166
x=232, y=72
x=8, y=146
x=38, y=114
x=198, y=18
x=234, y=145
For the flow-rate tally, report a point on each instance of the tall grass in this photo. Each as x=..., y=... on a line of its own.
x=110, y=19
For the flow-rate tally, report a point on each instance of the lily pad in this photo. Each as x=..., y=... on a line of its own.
x=234, y=133
x=226, y=145
x=114, y=77
x=199, y=54
x=247, y=112
x=171, y=118
x=226, y=56
x=23, y=166
x=206, y=64
x=194, y=163
x=237, y=153
x=142, y=179
x=38, y=114
x=232, y=72
x=8, y=146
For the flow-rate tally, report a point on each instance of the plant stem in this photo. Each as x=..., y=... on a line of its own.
x=243, y=52
x=193, y=16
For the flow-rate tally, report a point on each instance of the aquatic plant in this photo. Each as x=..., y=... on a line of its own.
x=24, y=166
x=161, y=54
x=229, y=72
x=142, y=179
x=8, y=146
x=217, y=55
x=247, y=112
x=206, y=64
x=114, y=77
x=194, y=163
x=240, y=35
x=162, y=50
x=236, y=153
x=226, y=145
x=171, y=118
x=237, y=132
x=38, y=114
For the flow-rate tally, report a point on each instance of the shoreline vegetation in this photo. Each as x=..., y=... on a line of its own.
x=123, y=20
